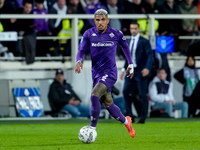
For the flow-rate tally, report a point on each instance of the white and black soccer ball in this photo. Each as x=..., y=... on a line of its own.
x=87, y=135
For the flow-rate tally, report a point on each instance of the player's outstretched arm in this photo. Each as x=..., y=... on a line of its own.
x=78, y=67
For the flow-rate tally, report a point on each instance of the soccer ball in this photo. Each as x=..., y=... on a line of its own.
x=87, y=135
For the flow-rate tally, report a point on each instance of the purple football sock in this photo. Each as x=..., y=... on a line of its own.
x=95, y=110
x=116, y=113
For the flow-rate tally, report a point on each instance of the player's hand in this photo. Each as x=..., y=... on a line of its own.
x=78, y=67
x=145, y=72
x=130, y=70
x=121, y=76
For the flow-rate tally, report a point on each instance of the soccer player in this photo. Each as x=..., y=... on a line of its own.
x=102, y=41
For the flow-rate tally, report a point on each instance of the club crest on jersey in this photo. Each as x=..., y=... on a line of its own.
x=111, y=35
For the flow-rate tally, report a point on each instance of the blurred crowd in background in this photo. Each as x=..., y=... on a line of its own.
x=30, y=28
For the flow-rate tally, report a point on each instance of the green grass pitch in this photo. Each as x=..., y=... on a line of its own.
x=155, y=134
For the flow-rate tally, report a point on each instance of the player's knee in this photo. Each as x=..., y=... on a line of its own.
x=95, y=93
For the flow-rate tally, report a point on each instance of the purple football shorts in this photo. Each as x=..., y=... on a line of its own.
x=106, y=80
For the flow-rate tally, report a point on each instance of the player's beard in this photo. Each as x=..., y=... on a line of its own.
x=101, y=31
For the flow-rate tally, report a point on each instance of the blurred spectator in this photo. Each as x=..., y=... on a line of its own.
x=188, y=76
x=48, y=4
x=150, y=7
x=171, y=27
x=120, y=4
x=113, y=9
x=56, y=25
x=41, y=29
x=160, y=92
x=6, y=8
x=190, y=26
x=25, y=28
x=90, y=7
x=41, y=24
x=7, y=25
x=162, y=62
x=115, y=23
x=131, y=7
x=62, y=97
x=20, y=3
x=73, y=7
x=59, y=8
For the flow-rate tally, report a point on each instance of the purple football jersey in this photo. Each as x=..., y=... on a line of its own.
x=103, y=51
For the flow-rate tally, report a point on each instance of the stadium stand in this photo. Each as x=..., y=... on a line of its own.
x=15, y=72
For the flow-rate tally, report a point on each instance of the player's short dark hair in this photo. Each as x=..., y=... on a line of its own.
x=134, y=22
x=101, y=12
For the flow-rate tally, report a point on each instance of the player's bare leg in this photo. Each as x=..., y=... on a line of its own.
x=116, y=113
x=98, y=91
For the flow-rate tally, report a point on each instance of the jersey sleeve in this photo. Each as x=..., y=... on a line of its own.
x=83, y=46
x=125, y=47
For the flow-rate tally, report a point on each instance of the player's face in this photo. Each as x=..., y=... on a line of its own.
x=162, y=74
x=134, y=29
x=101, y=22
